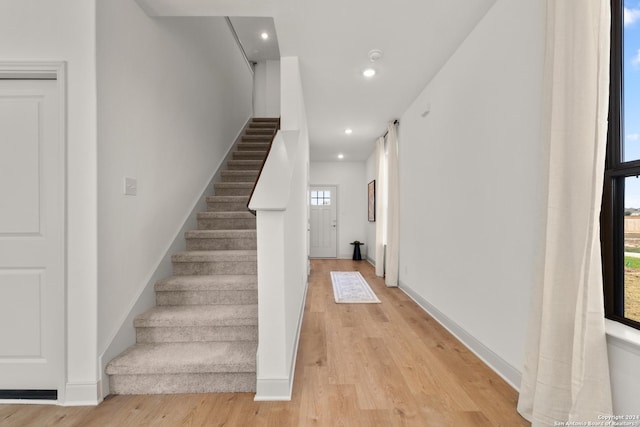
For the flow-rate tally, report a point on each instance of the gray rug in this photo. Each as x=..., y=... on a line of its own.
x=349, y=287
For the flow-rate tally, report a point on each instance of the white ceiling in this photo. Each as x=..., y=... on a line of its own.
x=332, y=39
x=249, y=30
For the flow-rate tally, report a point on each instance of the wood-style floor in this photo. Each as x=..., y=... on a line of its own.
x=386, y=364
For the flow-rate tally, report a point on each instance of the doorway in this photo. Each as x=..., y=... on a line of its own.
x=323, y=203
x=32, y=234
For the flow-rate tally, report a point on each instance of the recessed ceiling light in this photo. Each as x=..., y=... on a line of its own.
x=348, y=131
x=264, y=36
x=369, y=72
x=341, y=156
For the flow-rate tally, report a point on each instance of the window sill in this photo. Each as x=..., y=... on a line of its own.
x=623, y=335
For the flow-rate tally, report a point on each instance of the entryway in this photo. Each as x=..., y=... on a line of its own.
x=323, y=221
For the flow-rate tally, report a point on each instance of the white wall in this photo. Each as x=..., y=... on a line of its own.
x=370, y=174
x=472, y=198
x=32, y=30
x=280, y=201
x=266, y=92
x=350, y=178
x=173, y=94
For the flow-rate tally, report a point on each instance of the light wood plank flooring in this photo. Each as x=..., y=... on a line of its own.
x=386, y=364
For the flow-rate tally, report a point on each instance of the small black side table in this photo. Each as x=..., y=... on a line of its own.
x=356, y=251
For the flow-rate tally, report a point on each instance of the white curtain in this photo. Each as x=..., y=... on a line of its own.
x=380, y=206
x=566, y=372
x=393, y=211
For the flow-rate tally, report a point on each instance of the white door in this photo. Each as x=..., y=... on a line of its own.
x=323, y=225
x=32, y=291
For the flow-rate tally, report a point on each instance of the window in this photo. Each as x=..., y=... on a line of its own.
x=620, y=218
x=321, y=198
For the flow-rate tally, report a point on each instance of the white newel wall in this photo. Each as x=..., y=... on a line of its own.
x=280, y=203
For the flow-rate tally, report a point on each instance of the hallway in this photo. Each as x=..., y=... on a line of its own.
x=385, y=364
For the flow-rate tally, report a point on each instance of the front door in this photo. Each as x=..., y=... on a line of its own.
x=323, y=227
x=32, y=248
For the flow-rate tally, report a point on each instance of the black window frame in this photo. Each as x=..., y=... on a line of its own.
x=616, y=170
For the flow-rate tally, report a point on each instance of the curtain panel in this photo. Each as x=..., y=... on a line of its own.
x=566, y=372
x=381, y=214
x=393, y=211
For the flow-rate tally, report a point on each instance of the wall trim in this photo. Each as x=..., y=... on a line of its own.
x=500, y=366
x=281, y=389
x=82, y=394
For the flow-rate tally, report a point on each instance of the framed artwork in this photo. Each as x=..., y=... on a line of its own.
x=371, y=191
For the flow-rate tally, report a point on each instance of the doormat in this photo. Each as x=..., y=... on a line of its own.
x=349, y=287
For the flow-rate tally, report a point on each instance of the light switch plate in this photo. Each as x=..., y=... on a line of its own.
x=130, y=186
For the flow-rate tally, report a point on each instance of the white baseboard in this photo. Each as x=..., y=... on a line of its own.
x=500, y=366
x=280, y=389
x=82, y=394
x=273, y=389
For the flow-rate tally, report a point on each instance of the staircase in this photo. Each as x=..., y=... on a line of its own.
x=202, y=336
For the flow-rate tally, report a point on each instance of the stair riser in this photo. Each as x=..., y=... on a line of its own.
x=259, y=131
x=200, y=244
x=263, y=126
x=227, y=206
x=250, y=146
x=183, y=383
x=244, y=177
x=221, y=267
x=255, y=138
x=249, y=155
x=227, y=224
x=255, y=165
x=207, y=297
x=197, y=334
x=222, y=191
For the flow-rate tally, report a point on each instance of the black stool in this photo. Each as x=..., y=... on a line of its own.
x=356, y=250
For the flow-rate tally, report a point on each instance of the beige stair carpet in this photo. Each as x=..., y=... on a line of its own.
x=202, y=336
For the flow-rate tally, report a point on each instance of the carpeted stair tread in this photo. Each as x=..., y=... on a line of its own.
x=181, y=358
x=221, y=234
x=233, y=185
x=225, y=215
x=244, y=164
x=227, y=199
x=201, y=337
x=198, y=315
x=221, y=282
x=239, y=175
x=215, y=256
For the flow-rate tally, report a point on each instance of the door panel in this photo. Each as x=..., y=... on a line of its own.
x=32, y=250
x=323, y=222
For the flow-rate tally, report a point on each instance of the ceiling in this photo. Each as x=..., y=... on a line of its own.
x=249, y=30
x=332, y=39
